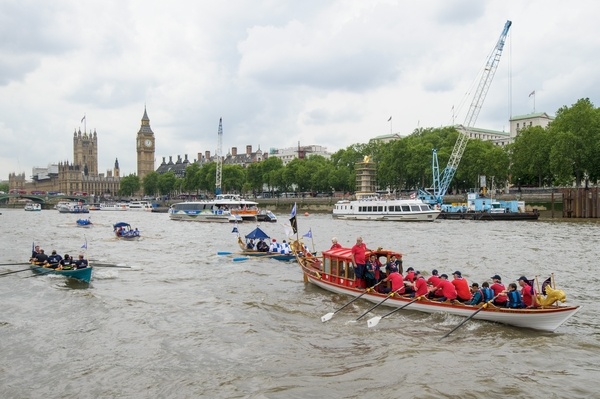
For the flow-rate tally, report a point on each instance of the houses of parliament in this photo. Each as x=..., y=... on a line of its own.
x=81, y=175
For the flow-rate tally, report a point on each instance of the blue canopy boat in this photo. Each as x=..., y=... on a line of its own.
x=84, y=223
x=258, y=234
x=84, y=275
x=123, y=230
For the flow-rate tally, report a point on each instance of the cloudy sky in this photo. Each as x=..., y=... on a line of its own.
x=278, y=72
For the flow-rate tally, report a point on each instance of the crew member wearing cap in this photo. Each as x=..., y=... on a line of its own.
x=528, y=293
x=419, y=286
x=463, y=292
x=498, y=289
x=444, y=290
x=396, y=281
x=434, y=279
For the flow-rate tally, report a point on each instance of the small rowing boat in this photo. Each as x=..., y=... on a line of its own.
x=334, y=272
x=256, y=238
x=84, y=275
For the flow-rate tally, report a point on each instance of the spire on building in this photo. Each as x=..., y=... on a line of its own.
x=145, y=127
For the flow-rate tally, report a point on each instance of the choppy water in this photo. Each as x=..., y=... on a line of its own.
x=187, y=323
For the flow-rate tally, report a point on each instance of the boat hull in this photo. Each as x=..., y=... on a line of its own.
x=416, y=217
x=543, y=319
x=270, y=255
x=84, y=275
x=487, y=216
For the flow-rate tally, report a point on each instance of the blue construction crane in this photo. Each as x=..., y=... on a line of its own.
x=441, y=184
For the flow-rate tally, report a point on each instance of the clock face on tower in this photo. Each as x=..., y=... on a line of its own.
x=148, y=143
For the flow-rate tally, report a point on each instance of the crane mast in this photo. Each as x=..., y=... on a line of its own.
x=218, y=177
x=440, y=186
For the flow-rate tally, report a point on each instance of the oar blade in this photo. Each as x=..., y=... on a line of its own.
x=373, y=321
x=223, y=253
x=241, y=259
x=326, y=317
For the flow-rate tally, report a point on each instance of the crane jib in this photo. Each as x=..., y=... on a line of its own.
x=441, y=184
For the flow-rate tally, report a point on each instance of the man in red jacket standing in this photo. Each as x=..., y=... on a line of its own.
x=359, y=261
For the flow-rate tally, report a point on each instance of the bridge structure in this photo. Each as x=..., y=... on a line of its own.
x=42, y=199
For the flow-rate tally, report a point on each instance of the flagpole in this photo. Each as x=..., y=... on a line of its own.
x=312, y=241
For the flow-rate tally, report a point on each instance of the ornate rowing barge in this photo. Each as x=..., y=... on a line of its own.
x=333, y=271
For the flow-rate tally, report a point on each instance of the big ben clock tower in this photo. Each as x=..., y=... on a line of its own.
x=145, y=148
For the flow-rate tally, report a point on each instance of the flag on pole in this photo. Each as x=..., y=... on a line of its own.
x=287, y=229
x=293, y=221
x=390, y=119
x=532, y=93
x=309, y=234
x=84, y=246
x=235, y=229
x=82, y=119
x=413, y=195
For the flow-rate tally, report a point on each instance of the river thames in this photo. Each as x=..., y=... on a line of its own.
x=184, y=322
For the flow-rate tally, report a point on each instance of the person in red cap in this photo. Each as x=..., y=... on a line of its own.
x=498, y=289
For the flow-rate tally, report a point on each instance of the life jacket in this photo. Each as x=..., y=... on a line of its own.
x=514, y=299
x=487, y=294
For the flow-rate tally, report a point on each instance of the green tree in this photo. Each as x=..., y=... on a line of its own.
x=4, y=187
x=530, y=156
x=150, y=183
x=233, y=178
x=576, y=131
x=167, y=182
x=129, y=185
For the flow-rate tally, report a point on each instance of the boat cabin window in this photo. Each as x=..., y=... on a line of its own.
x=425, y=208
x=415, y=208
x=405, y=208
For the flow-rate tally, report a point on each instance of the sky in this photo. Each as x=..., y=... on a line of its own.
x=279, y=73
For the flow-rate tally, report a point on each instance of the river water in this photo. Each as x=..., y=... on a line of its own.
x=184, y=322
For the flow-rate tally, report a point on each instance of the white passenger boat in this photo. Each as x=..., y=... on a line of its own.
x=140, y=206
x=224, y=208
x=374, y=208
x=72, y=207
x=33, y=206
x=115, y=206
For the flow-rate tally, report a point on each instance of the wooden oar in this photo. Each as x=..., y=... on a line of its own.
x=14, y=264
x=18, y=271
x=470, y=317
x=373, y=307
x=108, y=265
x=372, y=322
x=328, y=316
